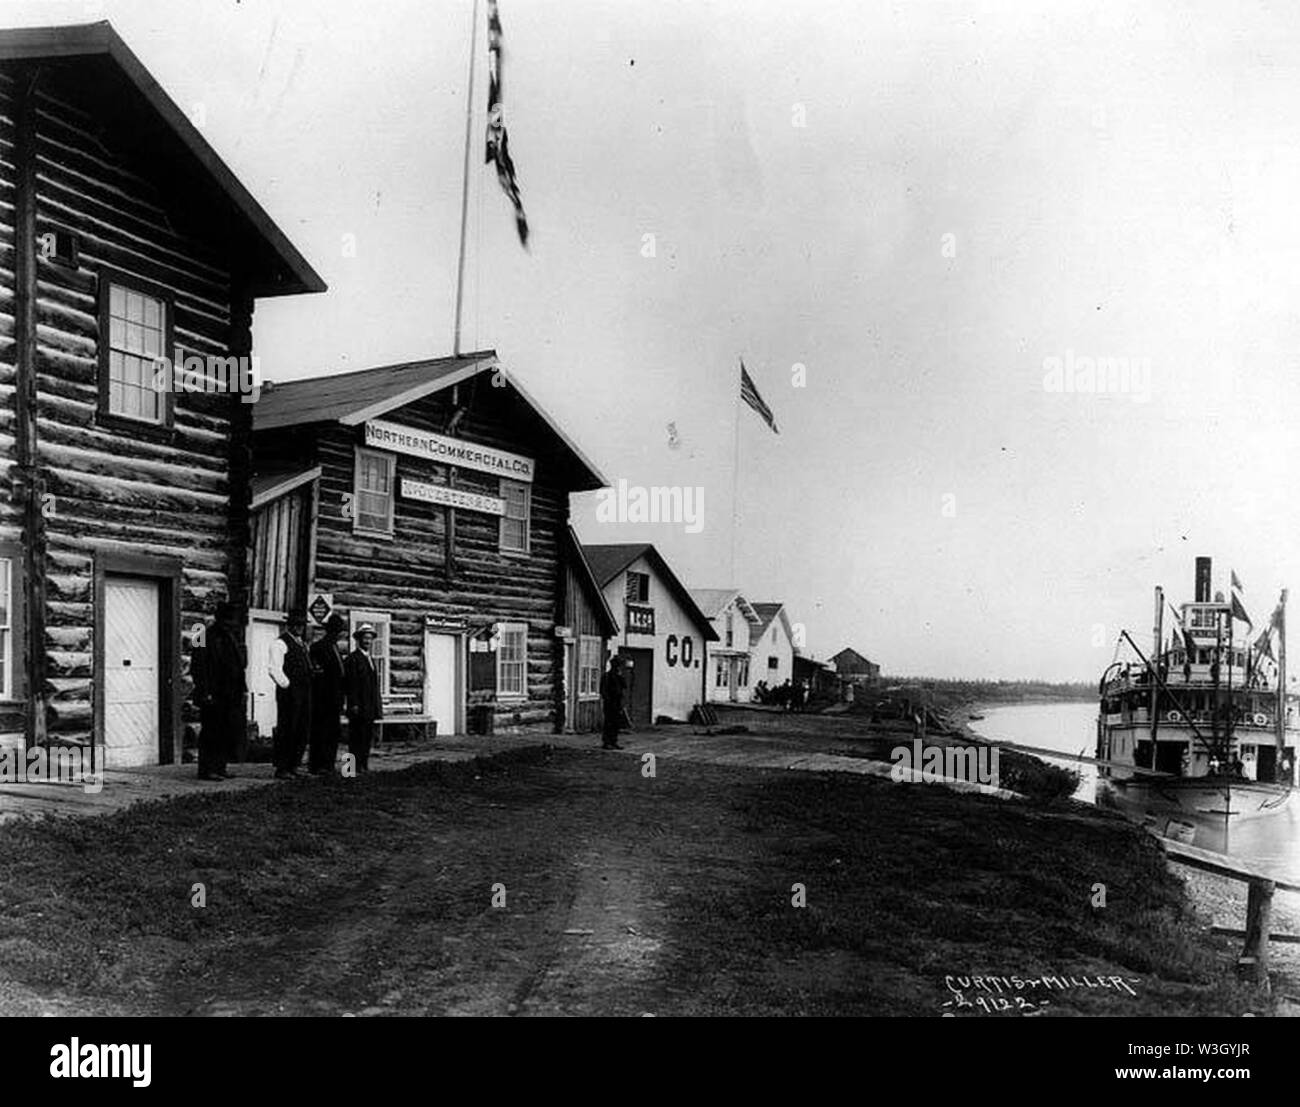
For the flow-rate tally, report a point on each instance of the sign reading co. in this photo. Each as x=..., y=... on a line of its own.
x=448, y=451
x=452, y=497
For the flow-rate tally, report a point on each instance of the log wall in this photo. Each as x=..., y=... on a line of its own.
x=181, y=493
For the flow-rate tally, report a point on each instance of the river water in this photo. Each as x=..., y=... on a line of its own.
x=1072, y=729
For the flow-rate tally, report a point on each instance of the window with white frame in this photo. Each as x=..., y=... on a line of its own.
x=589, y=667
x=512, y=660
x=514, y=523
x=720, y=679
x=379, y=649
x=374, y=494
x=137, y=334
x=6, y=628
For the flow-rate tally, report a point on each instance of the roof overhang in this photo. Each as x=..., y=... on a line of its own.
x=278, y=269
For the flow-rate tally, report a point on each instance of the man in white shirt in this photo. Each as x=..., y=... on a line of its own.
x=290, y=668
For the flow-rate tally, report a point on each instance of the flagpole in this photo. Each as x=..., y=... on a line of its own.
x=464, y=190
x=735, y=492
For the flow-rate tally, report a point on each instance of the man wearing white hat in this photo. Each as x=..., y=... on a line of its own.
x=361, y=695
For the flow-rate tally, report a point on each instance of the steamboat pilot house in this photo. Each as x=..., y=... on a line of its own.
x=1209, y=701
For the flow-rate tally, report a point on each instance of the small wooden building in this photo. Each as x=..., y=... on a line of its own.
x=430, y=499
x=664, y=634
x=772, y=650
x=123, y=239
x=735, y=623
x=589, y=624
x=852, y=666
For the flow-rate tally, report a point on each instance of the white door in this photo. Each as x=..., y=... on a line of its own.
x=132, y=661
x=261, y=634
x=441, y=683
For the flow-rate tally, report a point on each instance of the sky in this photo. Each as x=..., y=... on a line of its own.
x=919, y=225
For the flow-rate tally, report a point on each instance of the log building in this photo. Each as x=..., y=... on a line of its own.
x=430, y=499
x=123, y=239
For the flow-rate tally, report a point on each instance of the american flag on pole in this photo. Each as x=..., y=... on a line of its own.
x=750, y=395
x=498, y=142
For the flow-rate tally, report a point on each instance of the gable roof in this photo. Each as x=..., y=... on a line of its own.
x=766, y=612
x=850, y=655
x=607, y=561
x=713, y=601
x=353, y=398
x=595, y=595
x=126, y=92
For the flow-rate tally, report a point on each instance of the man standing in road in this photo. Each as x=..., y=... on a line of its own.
x=291, y=670
x=219, y=687
x=361, y=692
x=326, y=696
x=611, y=702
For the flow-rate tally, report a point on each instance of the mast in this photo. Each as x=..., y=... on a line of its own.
x=1157, y=631
x=1281, y=680
x=464, y=188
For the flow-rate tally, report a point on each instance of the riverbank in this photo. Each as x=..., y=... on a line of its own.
x=549, y=881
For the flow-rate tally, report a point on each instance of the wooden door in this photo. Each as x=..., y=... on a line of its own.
x=441, y=680
x=639, y=676
x=132, y=672
x=261, y=633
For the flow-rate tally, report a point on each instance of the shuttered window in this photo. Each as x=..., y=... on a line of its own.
x=514, y=524
x=638, y=587
x=372, y=505
x=137, y=332
x=512, y=660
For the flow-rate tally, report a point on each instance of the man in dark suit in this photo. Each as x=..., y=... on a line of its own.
x=219, y=688
x=361, y=692
x=326, y=696
x=612, y=687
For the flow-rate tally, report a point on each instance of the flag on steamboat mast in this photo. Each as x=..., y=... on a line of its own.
x=1238, y=608
x=498, y=142
x=749, y=393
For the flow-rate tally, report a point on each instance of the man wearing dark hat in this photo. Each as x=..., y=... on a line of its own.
x=611, y=703
x=219, y=689
x=361, y=691
x=291, y=671
x=326, y=695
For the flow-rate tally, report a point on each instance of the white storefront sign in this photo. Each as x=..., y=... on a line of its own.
x=448, y=451
x=451, y=497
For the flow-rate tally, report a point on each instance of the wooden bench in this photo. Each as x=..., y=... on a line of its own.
x=1260, y=884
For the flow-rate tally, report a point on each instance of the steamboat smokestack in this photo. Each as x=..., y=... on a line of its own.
x=1202, y=580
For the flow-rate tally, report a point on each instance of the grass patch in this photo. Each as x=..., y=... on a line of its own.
x=624, y=894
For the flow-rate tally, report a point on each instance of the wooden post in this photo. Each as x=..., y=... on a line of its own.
x=1253, y=961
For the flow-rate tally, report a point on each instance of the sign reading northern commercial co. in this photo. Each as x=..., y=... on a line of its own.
x=448, y=451
x=452, y=497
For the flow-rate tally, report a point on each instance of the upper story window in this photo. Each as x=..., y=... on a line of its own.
x=134, y=329
x=372, y=507
x=638, y=587
x=514, y=524
x=731, y=631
